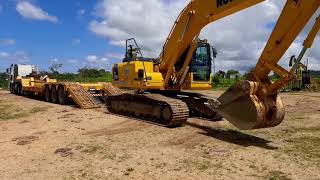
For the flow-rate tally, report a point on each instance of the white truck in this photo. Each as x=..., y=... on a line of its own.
x=19, y=70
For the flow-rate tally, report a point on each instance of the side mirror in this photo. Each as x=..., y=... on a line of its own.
x=8, y=71
x=214, y=52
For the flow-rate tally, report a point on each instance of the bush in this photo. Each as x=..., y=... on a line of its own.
x=3, y=81
x=84, y=75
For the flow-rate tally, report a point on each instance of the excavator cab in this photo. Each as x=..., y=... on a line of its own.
x=133, y=52
x=201, y=62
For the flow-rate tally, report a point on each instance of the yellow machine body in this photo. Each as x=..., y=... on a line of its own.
x=128, y=77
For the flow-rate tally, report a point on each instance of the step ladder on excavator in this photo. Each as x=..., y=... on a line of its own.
x=81, y=97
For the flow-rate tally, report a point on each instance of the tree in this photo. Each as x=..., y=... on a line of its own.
x=232, y=72
x=54, y=69
x=3, y=80
x=249, y=73
x=92, y=73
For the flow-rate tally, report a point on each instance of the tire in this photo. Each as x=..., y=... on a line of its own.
x=20, y=90
x=15, y=88
x=62, y=95
x=47, y=94
x=54, y=94
x=11, y=88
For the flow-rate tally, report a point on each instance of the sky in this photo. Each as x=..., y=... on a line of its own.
x=82, y=33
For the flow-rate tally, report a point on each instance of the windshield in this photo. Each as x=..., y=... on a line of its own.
x=201, y=64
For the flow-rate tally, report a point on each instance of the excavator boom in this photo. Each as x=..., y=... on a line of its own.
x=307, y=44
x=193, y=18
x=255, y=103
x=250, y=104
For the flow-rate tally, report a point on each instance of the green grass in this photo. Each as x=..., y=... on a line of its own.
x=9, y=111
x=3, y=81
x=38, y=109
x=200, y=164
x=306, y=148
x=81, y=79
x=91, y=149
x=310, y=129
x=277, y=175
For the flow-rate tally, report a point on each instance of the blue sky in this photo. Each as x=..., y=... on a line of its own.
x=44, y=42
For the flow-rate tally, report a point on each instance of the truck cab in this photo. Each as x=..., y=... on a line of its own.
x=15, y=73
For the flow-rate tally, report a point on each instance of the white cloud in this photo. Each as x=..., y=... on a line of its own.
x=114, y=56
x=81, y=12
x=54, y=61
x=239, y=38
x=16, y=57
x=89, y=61
x=93, y=61
x=92, y=58
x=76, y=41
x=7, y=42
x=30, y=11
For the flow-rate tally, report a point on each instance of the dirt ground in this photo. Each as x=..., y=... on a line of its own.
x=39, y=140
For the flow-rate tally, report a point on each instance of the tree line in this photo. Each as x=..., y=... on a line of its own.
x=83, y=75
x=220, y=79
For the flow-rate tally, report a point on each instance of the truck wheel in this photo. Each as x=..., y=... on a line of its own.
x=11, y=88
x=20, y=90
x=16, y=89
x=62, y=95
x=47, y=94
x=54, y=94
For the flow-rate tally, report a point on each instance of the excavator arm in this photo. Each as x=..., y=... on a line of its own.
x=183, y=36
x=255, y=103
x=307, y=44
x=293, y=19
x=249, y=104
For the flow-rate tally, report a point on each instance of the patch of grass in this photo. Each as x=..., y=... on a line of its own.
x=91, y=149
x=299, y=118
x=7, y=112
x=38, y=109
x=123, y=157
x=277, y=175
x=110, y=155
x=12, y=116
x=201, y=165
x=305, y=147
x=310, y=129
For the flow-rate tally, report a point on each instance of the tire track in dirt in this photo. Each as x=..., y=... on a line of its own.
x=119, y=128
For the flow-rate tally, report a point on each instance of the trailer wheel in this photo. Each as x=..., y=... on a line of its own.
x=54, y=94
x=47, y=94
x=62, y=95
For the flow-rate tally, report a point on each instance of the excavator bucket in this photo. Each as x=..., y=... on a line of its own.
x=243, y=107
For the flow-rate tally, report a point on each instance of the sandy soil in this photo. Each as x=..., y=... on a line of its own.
x=39, y=140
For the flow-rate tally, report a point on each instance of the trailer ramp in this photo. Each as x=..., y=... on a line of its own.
x=111, y=90
x=81, y=97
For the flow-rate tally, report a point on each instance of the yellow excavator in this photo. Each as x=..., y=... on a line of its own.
x=159, y=82
x=302, y=79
